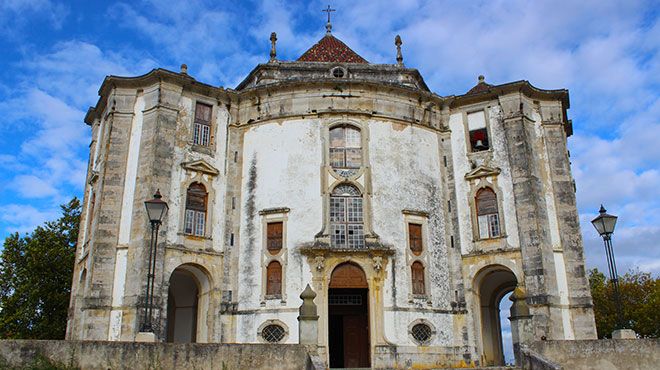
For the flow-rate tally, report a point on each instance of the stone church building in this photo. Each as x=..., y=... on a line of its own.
x=409, y=214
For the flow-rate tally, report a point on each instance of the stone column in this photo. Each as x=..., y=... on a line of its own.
x=521, y=323
x=308, y=319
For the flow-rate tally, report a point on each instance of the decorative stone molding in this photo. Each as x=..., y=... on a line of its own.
x=271, y=211
x=415, y=212
x=200, y=165
x=482, y=171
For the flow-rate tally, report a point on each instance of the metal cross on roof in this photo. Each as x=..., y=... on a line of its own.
x=328, y=26
x=328, y=10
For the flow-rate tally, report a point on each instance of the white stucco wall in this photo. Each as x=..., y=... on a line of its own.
x=283, y=159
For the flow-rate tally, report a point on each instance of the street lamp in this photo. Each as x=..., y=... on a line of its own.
x=156, y=209
x=604, y=224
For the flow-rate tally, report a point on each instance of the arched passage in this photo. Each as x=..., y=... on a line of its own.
x=187, y=305
x=492, y=283
x=348, y=317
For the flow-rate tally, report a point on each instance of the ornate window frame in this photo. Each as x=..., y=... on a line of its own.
x=418, y=218
x=203, y=173
x=361, y=179
x=480, y=178
x=270, y=215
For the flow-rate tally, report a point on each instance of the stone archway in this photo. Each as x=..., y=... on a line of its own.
x=187, y=305
x=492, y=284
x=348, y=317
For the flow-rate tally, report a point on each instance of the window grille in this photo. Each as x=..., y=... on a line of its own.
x=273, y=333
x=422, y=333
x=345, y=149
x=345, y=299
x=346, y=217
x=487, y=214
x=202, y=128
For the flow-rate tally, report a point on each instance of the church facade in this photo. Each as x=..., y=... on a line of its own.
x=409, y=214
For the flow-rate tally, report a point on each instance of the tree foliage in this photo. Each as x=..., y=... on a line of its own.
x=640, y=300
x=35, y=278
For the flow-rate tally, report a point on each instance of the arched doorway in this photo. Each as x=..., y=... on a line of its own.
x=348, y=317
x=493, y=283
x=186, y=308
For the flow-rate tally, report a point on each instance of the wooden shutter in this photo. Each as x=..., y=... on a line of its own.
x=203, y=113
x=274, y=232
x=486, y=202
x=196, y=197
x=415, y=238
x=418, y=278
x=274, y=279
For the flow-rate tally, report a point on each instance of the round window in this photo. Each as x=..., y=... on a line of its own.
x=273, y=333
x=422, y=333
x=338, y=72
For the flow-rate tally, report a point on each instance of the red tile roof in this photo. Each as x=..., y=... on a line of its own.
x=331, y=49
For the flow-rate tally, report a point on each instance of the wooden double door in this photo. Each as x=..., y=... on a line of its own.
x=348, y=311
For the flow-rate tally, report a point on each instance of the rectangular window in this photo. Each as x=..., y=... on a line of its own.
x=274, y=231
x=478, y=131
x=194, y=223
x=415, y=238
x=489, y=226
x=202, y=128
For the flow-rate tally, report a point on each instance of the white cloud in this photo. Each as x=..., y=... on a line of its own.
x=46, y=111
x=16, y=14
x=23, y=218
x=30, y=186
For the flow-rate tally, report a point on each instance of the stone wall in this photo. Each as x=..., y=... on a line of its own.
x=607, y=354
x=130, y=355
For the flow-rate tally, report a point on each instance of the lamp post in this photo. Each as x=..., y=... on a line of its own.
x=604, y=224
x=156, y=209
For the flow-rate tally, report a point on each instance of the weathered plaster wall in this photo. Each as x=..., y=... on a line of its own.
x=405, y=167
x=281, y=169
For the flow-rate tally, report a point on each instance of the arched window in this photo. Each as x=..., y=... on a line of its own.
x=274, y=279
x=195, y=209
x=487, y=214
x=345, y=149
x=346, y=220
x=417, y=273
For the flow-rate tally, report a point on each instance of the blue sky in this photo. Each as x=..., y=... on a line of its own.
x=56, y=54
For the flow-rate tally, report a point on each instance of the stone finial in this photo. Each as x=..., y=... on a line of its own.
x=273, y=52
x=184, y=69
x=399, y=56
x=308, y=307
x=482, y=79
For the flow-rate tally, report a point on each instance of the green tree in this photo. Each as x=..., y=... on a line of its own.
x=640, y=299
x=35, y=278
